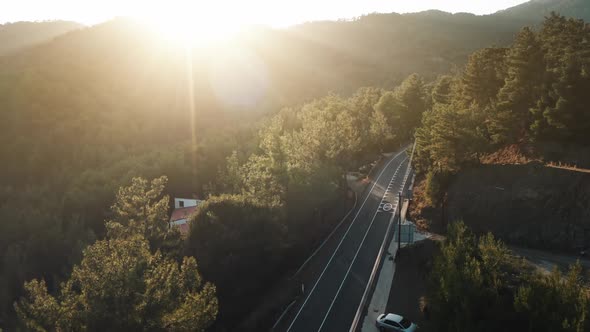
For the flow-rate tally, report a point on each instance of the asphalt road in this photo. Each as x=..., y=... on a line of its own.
x=331, y=300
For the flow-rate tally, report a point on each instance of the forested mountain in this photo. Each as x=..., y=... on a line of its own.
x=93, y=96
x=250, y=122
x=537, y=9
x=529, y=95
x=532, y=91
x=82, y=115
x=381, y=49
x=115, y=80
x=15, y=36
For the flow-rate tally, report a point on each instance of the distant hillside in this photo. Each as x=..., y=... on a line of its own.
x=118, y=68
x=98, y=78
x=101, y=77
x=117, y=79
x=87, y=109
x=537, y=9
x=15, y=36
x=381, y=49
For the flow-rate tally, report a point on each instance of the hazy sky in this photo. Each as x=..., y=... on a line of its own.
x=267, y=12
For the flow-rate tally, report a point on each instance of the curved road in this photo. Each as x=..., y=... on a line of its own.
x=331, y=300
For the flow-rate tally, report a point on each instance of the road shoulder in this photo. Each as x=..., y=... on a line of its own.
x=410, y=282
x=380, y=296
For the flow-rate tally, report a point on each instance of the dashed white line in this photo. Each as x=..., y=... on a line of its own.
x=353, y=260
x=342, y=240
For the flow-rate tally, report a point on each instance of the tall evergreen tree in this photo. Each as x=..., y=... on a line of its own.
x=561, y=112
x=443, y=90
x=141, y=209
x=405, y=106
x=121, y=286
x=511, y=117
x=127, y=281
x=380, y=130
x=483, y=76
x=441, y=139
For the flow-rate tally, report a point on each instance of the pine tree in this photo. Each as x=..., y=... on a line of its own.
x=404, y=107
x=443, y=90
x=388, y=105
x=231, y=177
x=380, y=131
x=561, y=112
x=483, y=76
x=511, y=117
x=141, y=209
x=129, y=281
x=121, y=286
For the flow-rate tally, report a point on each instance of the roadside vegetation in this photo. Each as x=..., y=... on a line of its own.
x=529, y=93
x=268, y=183
x=89, y=117
x=131, y=280
x=507, y=106
x=476, y=284
x=268, y=203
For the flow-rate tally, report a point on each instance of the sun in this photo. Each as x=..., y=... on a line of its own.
x=191, y=23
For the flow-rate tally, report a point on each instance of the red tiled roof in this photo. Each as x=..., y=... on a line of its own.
x=182, y=213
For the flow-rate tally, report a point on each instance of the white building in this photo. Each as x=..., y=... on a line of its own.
x=183, y=209
x=185, y=202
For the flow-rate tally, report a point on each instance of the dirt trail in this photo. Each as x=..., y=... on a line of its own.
x=546, y=261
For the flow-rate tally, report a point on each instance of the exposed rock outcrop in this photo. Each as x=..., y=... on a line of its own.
x=533, y=205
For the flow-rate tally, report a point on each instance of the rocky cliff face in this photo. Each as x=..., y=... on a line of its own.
x=531, y=204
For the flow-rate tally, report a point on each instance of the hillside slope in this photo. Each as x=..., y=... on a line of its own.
x=116, y=79
x=537, y=9
x=531, y=205
x=536, y=196
x=18, y=35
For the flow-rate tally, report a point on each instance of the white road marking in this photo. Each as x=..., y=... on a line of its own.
x=354, y=259
x=387, y=207
x=326, y=239
x=343, y=237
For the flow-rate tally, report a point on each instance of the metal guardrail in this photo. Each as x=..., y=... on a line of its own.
x=374, y=273
x=362, y=308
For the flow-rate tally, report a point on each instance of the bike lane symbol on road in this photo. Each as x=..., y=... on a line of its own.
x=387, y=207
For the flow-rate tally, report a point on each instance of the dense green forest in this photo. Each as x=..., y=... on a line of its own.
x=130, y=281
x=84, y=114
x=476, y=284
x=135, y=119
x=260, y=209
x=87, y=117
x=532, y=91
x=273, y=200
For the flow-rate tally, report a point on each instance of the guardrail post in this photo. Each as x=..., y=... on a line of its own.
x=399, y=222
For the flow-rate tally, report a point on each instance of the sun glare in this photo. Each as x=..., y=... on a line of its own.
x=192, y=22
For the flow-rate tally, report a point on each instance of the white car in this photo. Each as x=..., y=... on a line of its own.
x=393, y=322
